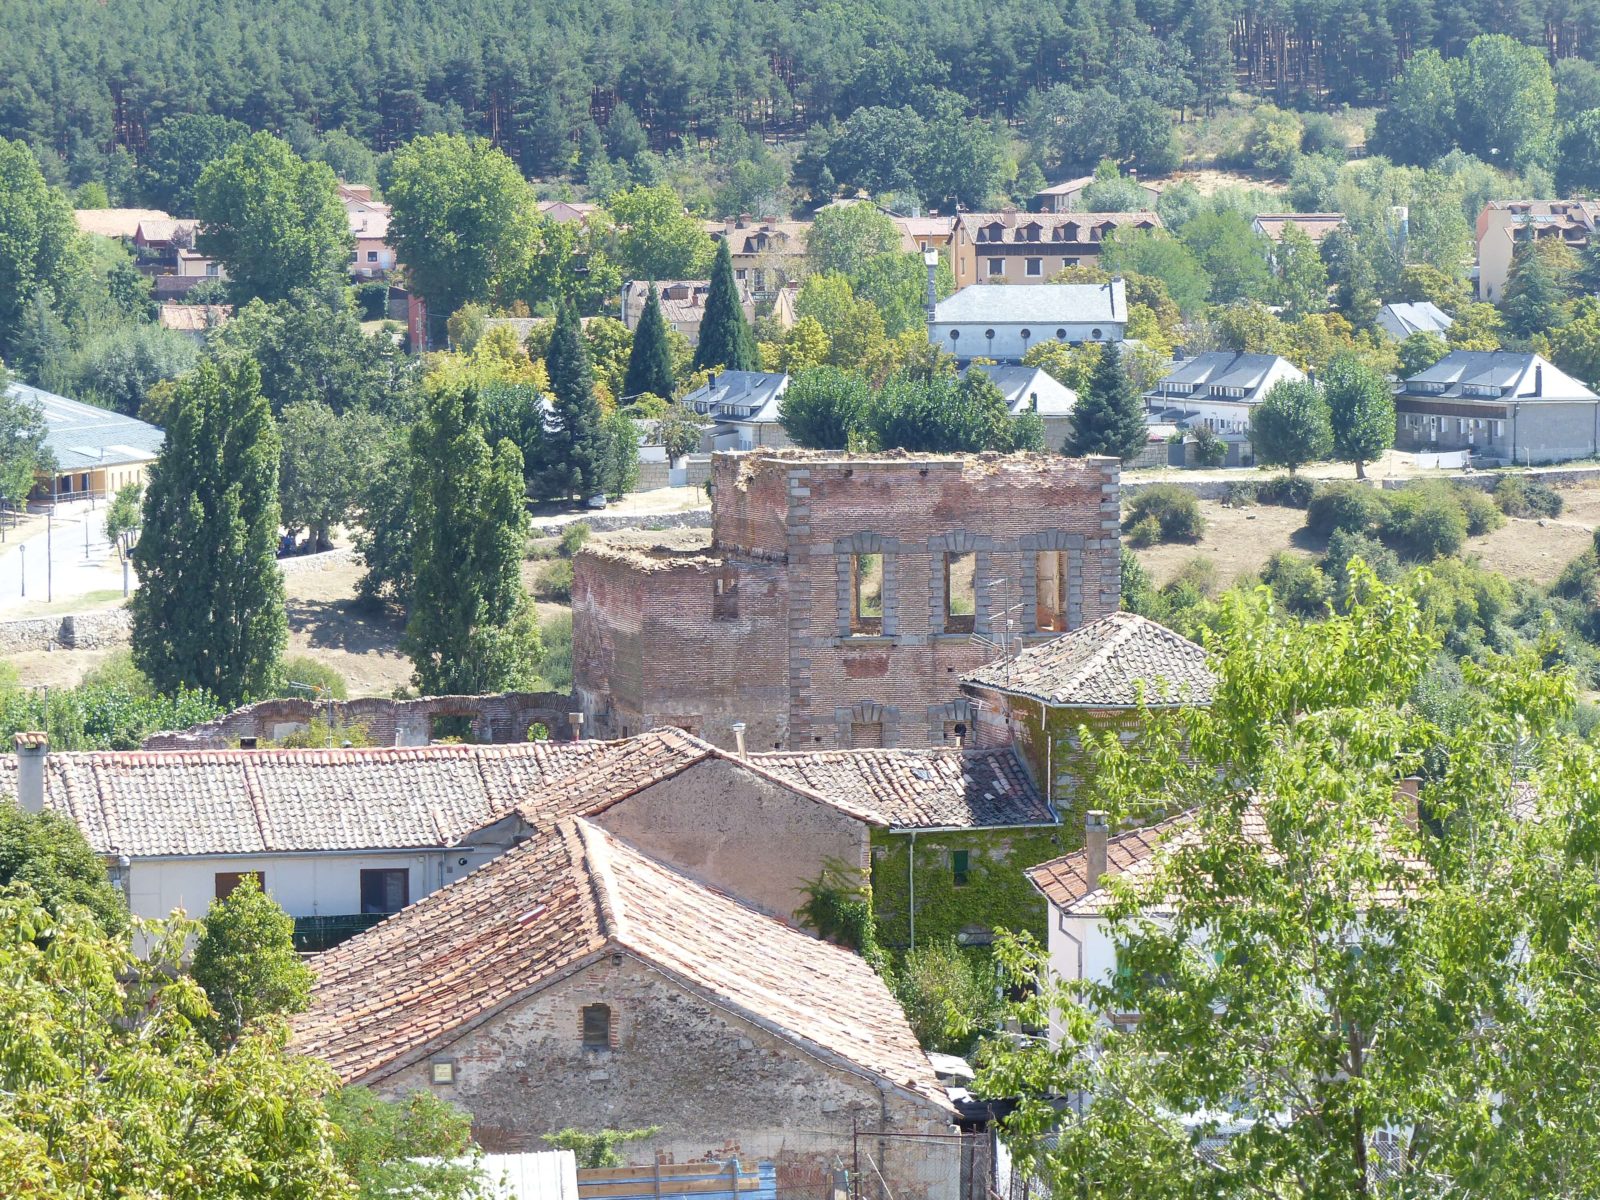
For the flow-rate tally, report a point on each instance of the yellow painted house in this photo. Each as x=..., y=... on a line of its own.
x=96, y=450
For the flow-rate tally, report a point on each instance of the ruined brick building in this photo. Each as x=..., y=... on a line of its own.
x=838, y=599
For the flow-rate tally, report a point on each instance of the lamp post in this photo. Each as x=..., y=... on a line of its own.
x=23, y=551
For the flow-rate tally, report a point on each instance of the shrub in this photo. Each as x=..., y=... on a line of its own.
x=1290, y=491
x=1296, y=583
x=1579, y=578
x=1523, y=496
x=1346, y=505
x=1239, y=493
x=573, y=538
x=1425, y=523
x=1175, y=510
x=1345, y=545
x=1209, y=449
x=948, y=994
x=1482, y=513
x=1146, y=531
x=555, y=652
x=373, y=300
x=555, y=582
x=1200, y=575
x=304, y=669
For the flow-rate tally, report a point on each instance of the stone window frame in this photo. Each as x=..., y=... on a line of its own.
x=1077, y=548
x=959, y=541
x=845, y=550
x=940, y=715
x=868, y=712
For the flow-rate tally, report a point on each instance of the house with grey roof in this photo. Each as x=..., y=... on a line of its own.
x=1218, y=390
x=1403, y=318
x=1001, y=320
x=96, y=450
x=1032, y=389
x=1502, y=406
x=743, y=409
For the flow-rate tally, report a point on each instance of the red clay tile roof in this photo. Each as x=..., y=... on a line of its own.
x=919, y=789
x=408, y=985
x=160, y=802
x=1104, y=664
x=1064, y=881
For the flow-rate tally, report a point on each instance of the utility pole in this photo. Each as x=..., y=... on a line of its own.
x=49, y=556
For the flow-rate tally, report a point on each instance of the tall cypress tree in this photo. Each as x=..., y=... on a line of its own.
x=209, y=609
x=725, y=338
x=573, y=443
x=650, y=363
x=471, y=628
x=1108, y=418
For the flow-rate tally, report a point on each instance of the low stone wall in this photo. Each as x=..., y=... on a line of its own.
x=296, y=564
x=499, y=718
x=604, y=522
x=75, y=631
x=1203, y=489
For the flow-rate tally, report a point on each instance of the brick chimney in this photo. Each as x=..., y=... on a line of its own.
x=1095, y=833
x=738, y=738
x=576, y=719
x=32, y=750
x=1408, y=790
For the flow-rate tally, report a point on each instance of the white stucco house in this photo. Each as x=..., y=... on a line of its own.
x=1218, y=389
x=1032, y=389
x=1001, y=320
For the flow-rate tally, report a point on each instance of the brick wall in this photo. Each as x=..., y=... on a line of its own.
x=709, y=1079
x=649, y=646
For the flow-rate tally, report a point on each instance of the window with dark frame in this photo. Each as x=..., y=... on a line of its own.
x=960, y=592
x=596, y=1027
x=226, y=881
x=960, y=867
x=385, y=890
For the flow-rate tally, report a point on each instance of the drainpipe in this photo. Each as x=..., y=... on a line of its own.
x=911, y=885
x=1049, y=780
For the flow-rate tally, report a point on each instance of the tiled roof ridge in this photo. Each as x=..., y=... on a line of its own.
x=1125, y=629
x=590, y=859
x=258, y=806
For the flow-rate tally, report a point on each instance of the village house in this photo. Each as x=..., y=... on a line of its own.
x=919, y=235
x=567, y=210
x=194, y=321
x=1218, y=390
x=837, y=598
x=683, y=304
x=1503, y=406
x=582, y=981
x=767, y=254
x=372, y=255
x=1400, y=320
x=115, y=222
x=95, y=451
x=1001, y=321
x=1503, y=225
x=743, y=409
x=1032, y=389
x=1315, y=226
x=1030, y=248
x=1067, y=195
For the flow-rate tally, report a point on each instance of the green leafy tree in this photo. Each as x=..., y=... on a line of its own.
x=246, y=962
x=656, y=239
x=326, y=459
x=107, y=1087
x=1230, y=252
x=123, y=517
x=725, y=338
x=1578, y=154
x=1109, y=417
x=273, y=220
x=41, y=252
x=179, y=149
x=1157, y=254
x=23, y=452
x=1302, y=279
x=471, y=628
x=1535, y=299
x=1291, y=426
x=1506, y=103
x=940, y=415
x=1575, y=347
x=1420, y=351
x=1273, y=141
x=844, y=236
x=116, y=368
x=571, y=447
x=209, y=610
x=1418, y=125
x=1476, y=327
x=385, y=531
x=948, y=994
x=47, y=853
x=1360, y=410
x=961, y=160
x=408, y=1147
x=619, y=460
x=650, y=360
x=823, y=407
x=462, y=219
x=897, y=286
x=598, y=1149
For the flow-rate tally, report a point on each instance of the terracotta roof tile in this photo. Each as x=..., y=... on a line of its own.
x=1105, y=664
x=1064, y=881
x=483, y=942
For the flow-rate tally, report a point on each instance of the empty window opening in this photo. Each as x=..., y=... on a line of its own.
x=725, y=596
x=596, y=1027
x=960, y=592
x=1051, y=614
x=385, y=891
x=866, y=594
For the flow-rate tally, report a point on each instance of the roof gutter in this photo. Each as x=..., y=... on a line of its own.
x=914, y=830
x=410, y=851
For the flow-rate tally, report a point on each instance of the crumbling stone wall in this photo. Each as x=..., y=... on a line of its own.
x=75, y=631
x=697, y=1070
x=652, y=645
x=504, y=717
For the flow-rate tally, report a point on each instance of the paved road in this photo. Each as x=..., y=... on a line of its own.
x=52, y=564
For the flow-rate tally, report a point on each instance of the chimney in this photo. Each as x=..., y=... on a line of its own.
x=1115, y=279
x=738, y=738
x=1538, y=379
x=931, y=260
x=1408, y=791
x=32, y=750
x=247, y=743
x=1095, y=831
x=576, y=720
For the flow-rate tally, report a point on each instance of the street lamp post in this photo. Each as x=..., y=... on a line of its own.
x=23, y=551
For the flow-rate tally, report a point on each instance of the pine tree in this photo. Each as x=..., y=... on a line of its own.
x=471, y=628
x=1109, y=418
x=725, y=338
x=209, y=609
x=572, y=446
x=650, y=361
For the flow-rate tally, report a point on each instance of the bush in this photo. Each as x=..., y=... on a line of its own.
x=1209, y=449
x=1144, y=532
x=1346, y=505
x=1175, y=510
x=1343, y=546
x=1296, y=583
x=1290, y=491
x=1482, y=513
x=948, y=994
x=1523, y=496
x=1579, y=579
x=1239, y=493
x=1198, y=575
x=555, y=582
x=373, y=301
x=573, y=538
x=555, y=652
x=304, y=669
x=1425, y=523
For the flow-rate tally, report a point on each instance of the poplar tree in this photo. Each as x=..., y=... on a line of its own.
x=650, y=361
x=1108, y=418
x=572, y=446
x=209, y=609
x=725, y=338
x=471, y=628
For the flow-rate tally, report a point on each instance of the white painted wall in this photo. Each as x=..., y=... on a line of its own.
x=305, y=885
x=1008, y=343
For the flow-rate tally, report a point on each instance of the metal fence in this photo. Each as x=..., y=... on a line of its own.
x=922, y=1166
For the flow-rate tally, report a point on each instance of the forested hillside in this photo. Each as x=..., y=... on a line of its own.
x=92, y=78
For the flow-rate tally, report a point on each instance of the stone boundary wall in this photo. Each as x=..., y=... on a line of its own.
x=499, y=718
x=296, y=563
x=74, y=631
x=603, y=522
x=1216, y=489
